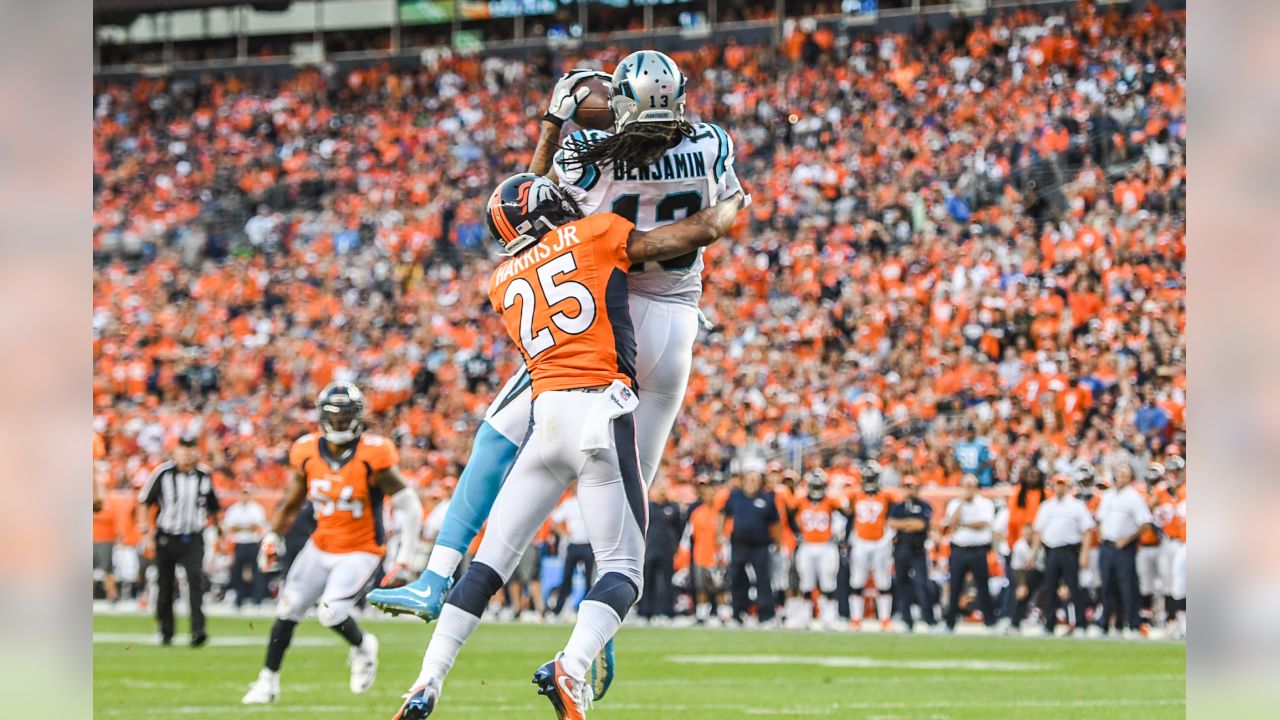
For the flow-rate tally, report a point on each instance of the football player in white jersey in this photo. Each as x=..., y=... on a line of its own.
x=655, y=168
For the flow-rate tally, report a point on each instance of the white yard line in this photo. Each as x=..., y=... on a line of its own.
x=808, y=710
x=106, y=638
x=838, y=661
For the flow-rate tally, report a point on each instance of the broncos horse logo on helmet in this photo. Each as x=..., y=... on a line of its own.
x=525, y=207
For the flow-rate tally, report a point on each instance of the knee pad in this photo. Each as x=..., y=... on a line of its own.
x=330, y=614
x=615, y=590
x=288, y=609
x=477, y=586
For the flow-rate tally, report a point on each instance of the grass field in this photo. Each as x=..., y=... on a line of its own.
x=676, y=674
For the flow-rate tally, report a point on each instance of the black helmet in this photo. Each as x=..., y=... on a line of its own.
x=341, y=407
x=525, y=207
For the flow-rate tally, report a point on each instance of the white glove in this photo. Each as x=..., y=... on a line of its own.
x=269, y=552
x=564, y=99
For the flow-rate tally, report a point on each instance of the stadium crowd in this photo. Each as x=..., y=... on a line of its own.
x=962, y=238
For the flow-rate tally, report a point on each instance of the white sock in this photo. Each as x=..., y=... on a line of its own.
x=268, y=675
x=596, y=623
x=858, y=606
x=884, y=603
x=444, y=560
x=703, y=611
x=366, y=643
x=453, y=627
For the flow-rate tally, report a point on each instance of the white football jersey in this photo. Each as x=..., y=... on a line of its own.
x=691, y=176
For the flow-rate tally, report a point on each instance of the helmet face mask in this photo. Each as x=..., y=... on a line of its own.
x=341, y=407
x=647, y=87
x=871, y=478
x=524, y=208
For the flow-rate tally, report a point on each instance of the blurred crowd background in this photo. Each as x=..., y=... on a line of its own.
x=966, y=255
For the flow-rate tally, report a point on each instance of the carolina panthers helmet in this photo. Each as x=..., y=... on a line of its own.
x=647, y=87
x=816, y=480
x=525, y=207
x=341, y=406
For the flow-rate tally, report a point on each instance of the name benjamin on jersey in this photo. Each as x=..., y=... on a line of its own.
x=674, y=166
x=566, y=237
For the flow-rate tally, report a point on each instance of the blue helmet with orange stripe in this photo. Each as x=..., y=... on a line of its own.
x=525, y=207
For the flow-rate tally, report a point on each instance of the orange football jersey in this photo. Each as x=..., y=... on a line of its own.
x=564, y=302
x=814, y=518
x=706, y=546
x=347, y=503
x=870, y=514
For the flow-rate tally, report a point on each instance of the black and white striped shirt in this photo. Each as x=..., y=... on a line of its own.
x=186, y=499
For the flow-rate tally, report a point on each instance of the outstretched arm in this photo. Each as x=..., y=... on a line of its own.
x=563, y=104
x=685, y=236
x=290, y=505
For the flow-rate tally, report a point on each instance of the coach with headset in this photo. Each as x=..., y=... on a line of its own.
x=181, y=494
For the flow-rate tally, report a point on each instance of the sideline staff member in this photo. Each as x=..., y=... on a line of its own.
x=1062, y=525
x=911, y=518
x=182, y=494
x=970, y=518
x=1122, y=514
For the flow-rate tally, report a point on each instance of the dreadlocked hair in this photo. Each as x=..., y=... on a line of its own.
x=639, y=145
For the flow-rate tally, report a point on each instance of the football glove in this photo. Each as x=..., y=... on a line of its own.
x=269, y=552
x=565, y=100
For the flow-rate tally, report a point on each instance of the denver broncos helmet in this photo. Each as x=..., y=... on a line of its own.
x=871, y=477
x=816, y=480
x=525, y=207
x=341, y=406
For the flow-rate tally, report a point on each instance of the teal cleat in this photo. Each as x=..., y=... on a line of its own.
x=422, y=598
x=600, y=674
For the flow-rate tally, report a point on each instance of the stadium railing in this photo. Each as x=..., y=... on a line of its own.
x=664, y=38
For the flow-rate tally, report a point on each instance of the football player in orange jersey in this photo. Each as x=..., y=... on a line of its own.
x=345, y=473
x=871, y=552
x=817, y=557
x=563, y=298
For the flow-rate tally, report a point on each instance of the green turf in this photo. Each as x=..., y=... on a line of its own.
x=660, y=676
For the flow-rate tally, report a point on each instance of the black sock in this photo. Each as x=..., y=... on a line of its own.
x=350, y=631
x=281, y=636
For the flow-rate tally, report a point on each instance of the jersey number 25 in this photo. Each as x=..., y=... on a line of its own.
x=552, y=293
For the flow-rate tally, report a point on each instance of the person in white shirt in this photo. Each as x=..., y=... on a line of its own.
x=970, y=519
x=1062, y=526
x=1122, y=514
x=567, y=518
x=245, y=523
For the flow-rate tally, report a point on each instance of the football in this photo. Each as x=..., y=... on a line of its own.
x=594, y=112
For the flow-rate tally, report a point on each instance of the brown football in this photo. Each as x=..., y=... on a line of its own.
x=594, y=111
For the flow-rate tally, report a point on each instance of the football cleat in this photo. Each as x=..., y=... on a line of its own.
x=569, y=697
x=264, y=690
x=600, y=674
x=419, y=702
x=422, y=598
x=364, y=664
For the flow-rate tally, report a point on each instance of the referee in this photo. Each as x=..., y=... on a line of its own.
x=1062, y=525
x=181, y=492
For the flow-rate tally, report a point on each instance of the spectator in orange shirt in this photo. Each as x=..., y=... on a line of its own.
x=105, y=534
